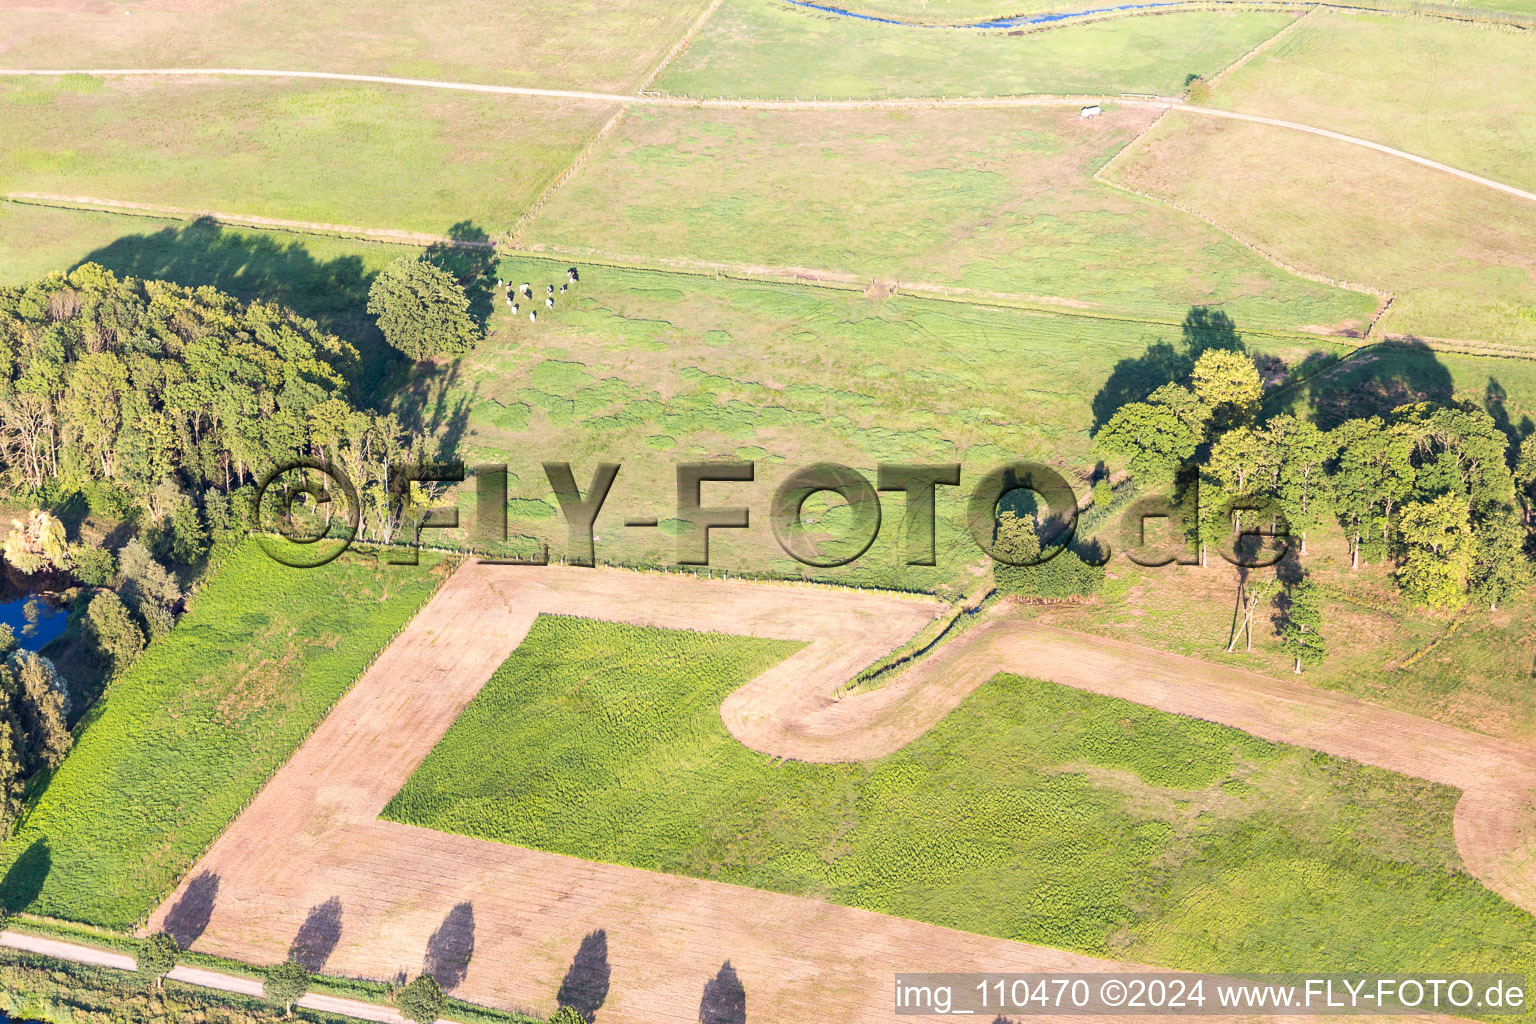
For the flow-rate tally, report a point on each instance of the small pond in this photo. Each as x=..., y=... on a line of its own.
x=35, y=622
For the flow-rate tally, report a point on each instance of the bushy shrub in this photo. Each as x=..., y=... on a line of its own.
x=93, y=566
x=420, y=1001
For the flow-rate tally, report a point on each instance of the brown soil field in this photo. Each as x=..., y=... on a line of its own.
x=312, y=836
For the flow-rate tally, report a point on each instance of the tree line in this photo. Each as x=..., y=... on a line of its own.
x=1434, y=488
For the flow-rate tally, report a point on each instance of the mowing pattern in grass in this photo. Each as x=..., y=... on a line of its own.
x=1460, y=257
x=602, y=45
x=1033, y=812
x=180, y=742
x=1466, y=104
x=367, y=156
x=741, y=51
x=995, y=200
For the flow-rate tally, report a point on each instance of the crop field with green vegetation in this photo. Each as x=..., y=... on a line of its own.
x=742, y=49
x=336, y=154
x=1466, y=106
x=179, y=743
x=1033, y=812
x=989, y=202
x=578, y=44
x=1457, y=256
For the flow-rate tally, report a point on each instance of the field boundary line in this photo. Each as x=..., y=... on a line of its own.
x=335, y=76
x=815, y=104
x=850, y=282
x=127, y=207
x=1422, y=161
x=514, y=232
x=1285, y=30
x=681, y=45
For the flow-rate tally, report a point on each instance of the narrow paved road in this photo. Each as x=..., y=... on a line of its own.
x=796, y=104
x=199, y=976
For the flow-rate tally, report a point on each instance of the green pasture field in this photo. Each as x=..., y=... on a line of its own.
x=181, y=741
x=998, y=201
x=762, y=48
x=1032, y=812
x=1460, y=257
x=649, y=369
x=1466, y=102
x=360, y=155
x=574, y=44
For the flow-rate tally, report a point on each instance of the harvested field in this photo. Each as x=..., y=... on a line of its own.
x=312, y=835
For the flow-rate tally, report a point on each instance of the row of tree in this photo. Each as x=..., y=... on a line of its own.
x=1430, y=485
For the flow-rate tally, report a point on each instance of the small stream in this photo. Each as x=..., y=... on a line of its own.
x=1013, y=22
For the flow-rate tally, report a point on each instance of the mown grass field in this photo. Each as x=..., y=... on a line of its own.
x=745, y=50
x=181, y=741
x=993, y=201
x=365, y=156
x=1465, y=104
x=576, y=44
x=1458, y=256
x=1032, y=812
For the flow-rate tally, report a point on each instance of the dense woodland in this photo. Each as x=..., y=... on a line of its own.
x=159, y=410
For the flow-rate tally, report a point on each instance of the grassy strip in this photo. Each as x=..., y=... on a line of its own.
x=1032, y=812
x=182, y=742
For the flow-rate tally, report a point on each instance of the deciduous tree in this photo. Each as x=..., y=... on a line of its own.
x=422, y=310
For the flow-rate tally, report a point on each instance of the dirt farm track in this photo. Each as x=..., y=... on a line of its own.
x=313, y=834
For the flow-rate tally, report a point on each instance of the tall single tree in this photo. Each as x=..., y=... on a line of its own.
x=157, y=957
x=1437, y=536
x=1229, y=385
x=116, y=636
x=1301, y=629
x=286, y=984
x=421, y=1001
x=422, y=310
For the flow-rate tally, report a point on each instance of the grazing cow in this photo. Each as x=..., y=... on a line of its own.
x=549, y=302
x=549, y=289
x=514, y=307
x=571, y=276
x=527, y=290
x=533, y=315
x=563, y=288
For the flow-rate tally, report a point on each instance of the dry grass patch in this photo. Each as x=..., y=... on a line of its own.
x=1460, y=257
x=1455, y=92
x=574, y=44
x=999, y=201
